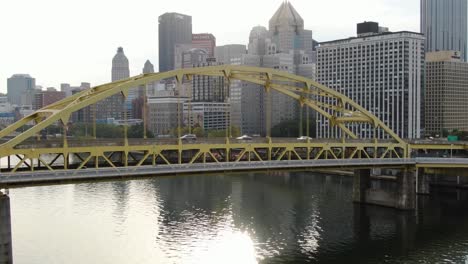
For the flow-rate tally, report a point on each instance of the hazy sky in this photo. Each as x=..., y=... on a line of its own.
x=71, y=41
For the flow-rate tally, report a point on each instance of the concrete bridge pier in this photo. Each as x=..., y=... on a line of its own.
x=6, y=251
x=422, y=182
x=400, y=194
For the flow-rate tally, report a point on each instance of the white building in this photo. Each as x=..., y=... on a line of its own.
x=207, y=115
x=380, y=70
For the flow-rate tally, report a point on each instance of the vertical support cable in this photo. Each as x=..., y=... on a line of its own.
x=189, y=109
x=179, y=132
x=94, y=120
x=145, y=92
x=227, y=85
x=301, y=106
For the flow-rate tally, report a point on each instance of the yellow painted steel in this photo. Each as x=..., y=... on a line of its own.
x=340, y=113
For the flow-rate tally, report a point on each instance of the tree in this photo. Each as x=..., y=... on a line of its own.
x=290, y=128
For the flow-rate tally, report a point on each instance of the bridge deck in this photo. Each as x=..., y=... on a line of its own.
x=25, y=178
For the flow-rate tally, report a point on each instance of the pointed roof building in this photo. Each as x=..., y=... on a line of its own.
x=120, y=68
x=286, y=16
x=148, y=68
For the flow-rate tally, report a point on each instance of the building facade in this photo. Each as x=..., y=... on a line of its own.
x=174, y=29
x=18, y=85
x=207, y=115
x=444, y=23
x=381, y=71
x=164, y=114
x=205, y=41
x=45, y=98
x=230, y=54
x=69, y=90
x=287, y=46
x=446, y=93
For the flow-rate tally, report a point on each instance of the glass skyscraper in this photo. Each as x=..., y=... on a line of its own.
x=174, y=29
x=444, y=23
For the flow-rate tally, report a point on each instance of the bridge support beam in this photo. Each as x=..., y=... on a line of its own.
x=6, y=255
x=402, y=195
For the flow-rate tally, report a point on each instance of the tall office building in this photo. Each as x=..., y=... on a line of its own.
x=120, y=67
x=205, y=41
x=18, y=85
x=174, y=29
x=446, y=92
x=381, y=71
x=114, y=106
x=285, y=46
x=444, y=23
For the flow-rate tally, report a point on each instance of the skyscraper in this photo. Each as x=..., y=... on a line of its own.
x=120, y=68
x=174, y=29
x=285, y=46
x=204, y=41
x=444, y=23
x=18, y=85
x=115, y=105
x=381, y=71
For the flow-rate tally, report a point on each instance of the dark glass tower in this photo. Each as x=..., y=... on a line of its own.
x=444, y=23
x=174, y=29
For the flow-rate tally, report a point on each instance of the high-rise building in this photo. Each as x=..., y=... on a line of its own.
x=446, y=92
x=174, y=29
x=18, y=85
x=230, y=54
x=115, y=105
x=285, y=46
x=120, y=67
x=205, y=41
x=381, y=71
x=207, y=115
x=444, y=23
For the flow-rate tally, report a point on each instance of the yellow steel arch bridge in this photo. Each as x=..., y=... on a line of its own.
x=33, y=154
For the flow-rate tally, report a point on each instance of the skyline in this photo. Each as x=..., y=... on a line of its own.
x=55, y=47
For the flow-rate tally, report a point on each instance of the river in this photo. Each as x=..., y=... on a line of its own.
x=297, y=217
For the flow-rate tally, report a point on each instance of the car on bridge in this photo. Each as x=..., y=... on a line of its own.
x=189, y=137
x=244, y=137
x=304, y=138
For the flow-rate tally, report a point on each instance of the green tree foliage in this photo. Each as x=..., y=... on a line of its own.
x=290, y=128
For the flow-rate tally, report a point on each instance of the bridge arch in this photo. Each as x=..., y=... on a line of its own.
x=340, y=112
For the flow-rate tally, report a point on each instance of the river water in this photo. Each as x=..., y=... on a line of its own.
x=297, y=217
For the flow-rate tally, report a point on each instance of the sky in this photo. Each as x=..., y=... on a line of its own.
x=74, y=41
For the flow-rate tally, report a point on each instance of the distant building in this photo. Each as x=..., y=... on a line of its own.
x=381, y=71
x=120, y=67
x=17, y=85
x=174, y=29
x=69, y=90
x=45, y=98
x=204, y=41
x=115, y=105
x=230, y=54
x=444, y=23
x=163, y=113
x=207, y=115
x=446, y=93
x=287, y=46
